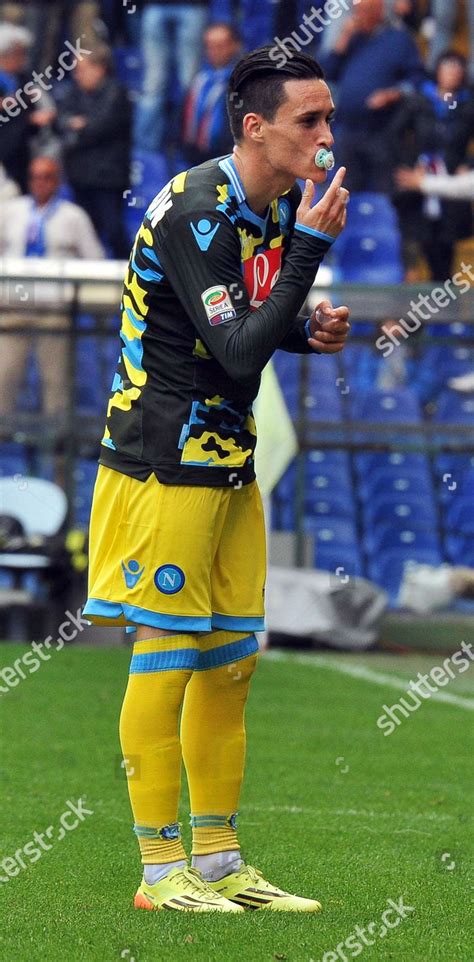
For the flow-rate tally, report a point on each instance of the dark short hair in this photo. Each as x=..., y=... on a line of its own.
x=450, y=55
x=257, y=83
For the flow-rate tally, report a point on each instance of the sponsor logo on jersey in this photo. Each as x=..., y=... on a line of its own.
x=218, y=305
x=261, y=274
x=132, y=573
x=204, y=234
x=169, y=579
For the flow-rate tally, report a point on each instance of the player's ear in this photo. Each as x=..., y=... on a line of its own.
x=252, y=124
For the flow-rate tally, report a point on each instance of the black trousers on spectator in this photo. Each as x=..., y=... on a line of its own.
x=105, y=207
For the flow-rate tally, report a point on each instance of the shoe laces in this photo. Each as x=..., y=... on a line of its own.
x=255, y=876
x=253, y=873
x=193, y=880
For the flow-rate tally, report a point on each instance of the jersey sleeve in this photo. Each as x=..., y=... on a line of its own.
x=200, y=254
x=296, y=341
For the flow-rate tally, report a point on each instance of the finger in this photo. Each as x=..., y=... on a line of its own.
x=307, y=196
x=325, y=337
x=343, y=196
x=336, y=182
x=336, y=326
x=342, y=313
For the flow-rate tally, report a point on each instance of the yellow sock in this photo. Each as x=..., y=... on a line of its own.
x=213, y=737
x=159, y=672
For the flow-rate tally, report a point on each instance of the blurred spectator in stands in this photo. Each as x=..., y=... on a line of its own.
x=95, y=123
x=171, y=43
x=8, y=188
x=51, y=21
x=445, y=13
x=405, y=366
x=374, y=62
x=15, y=43
x=426, y=588
x=458, y=186
x=433, y=126
x=40, y=224
x=27, y=108
x=206, y=130
x=405, y=11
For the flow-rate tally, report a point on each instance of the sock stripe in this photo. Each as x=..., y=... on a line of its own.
x=168, y=832
x=181, y=658
x=226, y=654
x=211, y=821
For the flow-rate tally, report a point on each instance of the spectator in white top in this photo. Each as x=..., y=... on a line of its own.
x=40, y=224
x=458, y=186
x=8, y=188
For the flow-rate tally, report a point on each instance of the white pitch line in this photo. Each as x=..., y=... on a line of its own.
x=367, y=674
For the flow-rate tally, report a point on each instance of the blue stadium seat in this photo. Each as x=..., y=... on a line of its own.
x=391, y=462
x=84, y=476
x=455, y=329
x=400, y=482
x=457, y=465
x=452, y=361
x=370, y=211
x=284, y=361
x=149, y=174
x=385, y=568
x=454, y=408
x=413, y=508
x=330, y=462
x=332, y=531
x=340, y=560
x=331, y=504
x=396, y=534
x=371, y=257
x=400, y=405
x=455, y=486
x=286, y=486
x=129, y=69
x=459, y=515
x=459, y=548
x=12, y=461
x=322, y=483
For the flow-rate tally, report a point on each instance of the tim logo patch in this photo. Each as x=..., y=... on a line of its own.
x=218, y=305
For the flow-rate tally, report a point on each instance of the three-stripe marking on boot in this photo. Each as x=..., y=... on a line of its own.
x=187, y=901
x=263, y=898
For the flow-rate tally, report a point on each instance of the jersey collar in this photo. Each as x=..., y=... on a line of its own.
x=228, y=166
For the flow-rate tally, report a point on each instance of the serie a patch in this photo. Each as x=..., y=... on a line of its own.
x=218, y=305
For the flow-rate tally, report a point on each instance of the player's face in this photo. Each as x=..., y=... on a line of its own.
x=300, y=128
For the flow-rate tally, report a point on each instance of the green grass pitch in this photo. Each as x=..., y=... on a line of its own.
x=330, y=808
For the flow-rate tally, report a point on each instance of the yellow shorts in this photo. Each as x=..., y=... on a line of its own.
x=181, y=558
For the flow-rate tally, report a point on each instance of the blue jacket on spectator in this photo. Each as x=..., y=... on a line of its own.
x=388, y=57
x=206, y=131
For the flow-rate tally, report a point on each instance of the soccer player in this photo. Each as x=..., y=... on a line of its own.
x=222, y=264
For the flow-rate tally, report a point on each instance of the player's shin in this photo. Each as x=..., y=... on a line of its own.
x=214, y=748
x=149, y=733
